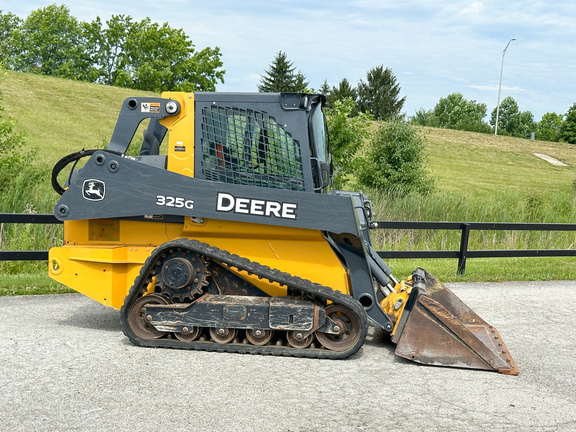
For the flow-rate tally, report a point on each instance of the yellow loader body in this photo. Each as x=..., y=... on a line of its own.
x=102, y=258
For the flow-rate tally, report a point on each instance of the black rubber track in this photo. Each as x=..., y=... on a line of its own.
x=315, y=290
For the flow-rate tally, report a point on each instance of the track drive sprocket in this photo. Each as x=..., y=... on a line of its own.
x=181, y=275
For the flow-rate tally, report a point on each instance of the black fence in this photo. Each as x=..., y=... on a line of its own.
x=461, y=255
x=465, y=227
x=23, y=218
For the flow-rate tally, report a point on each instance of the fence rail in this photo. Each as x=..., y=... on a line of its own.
x=462, y=254
x=22, y=218
x=465, y=227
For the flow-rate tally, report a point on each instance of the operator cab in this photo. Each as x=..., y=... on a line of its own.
x=272, y=140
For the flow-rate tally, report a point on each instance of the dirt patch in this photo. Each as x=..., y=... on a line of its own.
x=550, y=159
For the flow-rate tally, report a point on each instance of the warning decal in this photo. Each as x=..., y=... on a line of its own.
x=150, y=107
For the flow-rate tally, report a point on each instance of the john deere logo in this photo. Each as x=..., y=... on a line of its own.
x=93, y=190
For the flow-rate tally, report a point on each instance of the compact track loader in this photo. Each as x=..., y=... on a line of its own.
x=230, y=239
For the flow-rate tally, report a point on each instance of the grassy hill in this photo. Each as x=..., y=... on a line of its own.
x=478, y=177
x=61, y=116
x=487, y=164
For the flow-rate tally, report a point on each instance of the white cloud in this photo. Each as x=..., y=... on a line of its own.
x=473, y=9
x=495, y=87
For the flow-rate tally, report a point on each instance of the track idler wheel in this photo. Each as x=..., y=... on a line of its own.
x=139, y=321
x=181, y=275
x=346, y=323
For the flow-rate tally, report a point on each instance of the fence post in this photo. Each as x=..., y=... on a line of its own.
x=463, y=248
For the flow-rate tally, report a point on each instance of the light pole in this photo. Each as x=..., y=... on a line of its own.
x=500, y=87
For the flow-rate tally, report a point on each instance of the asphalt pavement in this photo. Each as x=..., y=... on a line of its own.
x=65, y=365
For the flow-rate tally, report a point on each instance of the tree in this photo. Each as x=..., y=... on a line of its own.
x=455, y=112
x=568, y=128
x=342, y=92
x=157, y=57
x=423, y=117
x=395, y=161
x=8, y=24
x=512, y=121
x=140, y=55
x=105, y=46
x=301, y=84
x=379, y=95
x=347, y=134
x=50, y=42
x=527, y=124
x=281, y=77
x=548, y=129
x=324, y=89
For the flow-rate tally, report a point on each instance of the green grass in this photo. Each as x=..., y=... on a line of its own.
x=30, y=283
x=483, y=165
x=61, y=116
x=491, y=269
x=507, y=206
x=478, y=177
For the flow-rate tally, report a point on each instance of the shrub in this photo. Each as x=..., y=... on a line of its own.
x=347, y=135
x=395, y=161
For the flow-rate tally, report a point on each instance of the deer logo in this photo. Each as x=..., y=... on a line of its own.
x=93, y=190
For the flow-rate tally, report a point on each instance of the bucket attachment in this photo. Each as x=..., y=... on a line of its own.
x=437, y=328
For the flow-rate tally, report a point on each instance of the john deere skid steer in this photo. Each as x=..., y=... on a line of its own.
x=230, y=239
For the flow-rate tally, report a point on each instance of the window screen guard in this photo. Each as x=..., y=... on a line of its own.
x=244, y=146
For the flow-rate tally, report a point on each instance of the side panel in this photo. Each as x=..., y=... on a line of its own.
x=104, y=267
x=304, y=253
x=101, y=273
x=102, y=257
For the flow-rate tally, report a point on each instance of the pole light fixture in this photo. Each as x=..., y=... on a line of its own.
x=500, y=87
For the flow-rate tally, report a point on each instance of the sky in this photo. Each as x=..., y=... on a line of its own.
x=433, y=47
